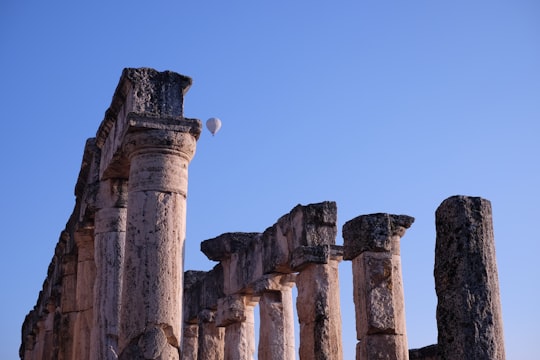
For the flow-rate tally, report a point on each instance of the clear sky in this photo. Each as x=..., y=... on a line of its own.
x=381, y=106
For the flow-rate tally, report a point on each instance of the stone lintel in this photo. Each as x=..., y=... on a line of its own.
x=273, y=282
x=224, y=245
x=374, y=232
x=304, y=225
x=313, y=224
x=305, y=255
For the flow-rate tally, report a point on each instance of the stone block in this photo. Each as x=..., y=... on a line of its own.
x=469, y=316
x=374, y=232
x=378, y=294
x=382, y=347
x=231, y=309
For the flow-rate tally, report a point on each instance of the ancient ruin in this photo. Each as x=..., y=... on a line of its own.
x=116, y=286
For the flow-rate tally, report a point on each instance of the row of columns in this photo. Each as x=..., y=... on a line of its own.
x=123, y=281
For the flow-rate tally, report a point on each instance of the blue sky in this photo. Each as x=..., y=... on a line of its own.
x=381, y=106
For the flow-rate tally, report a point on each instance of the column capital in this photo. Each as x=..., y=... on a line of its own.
x=151, y=102
x=374, y=232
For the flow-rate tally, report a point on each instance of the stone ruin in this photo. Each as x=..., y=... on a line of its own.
x=116, y=288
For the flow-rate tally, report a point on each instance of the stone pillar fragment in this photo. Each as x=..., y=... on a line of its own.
x=469, y=317
x=235, y=313
x=276, y=331
x=211, y=338
x=372, y=243
x=190, y=341
x=109, y=238
x=319, y=312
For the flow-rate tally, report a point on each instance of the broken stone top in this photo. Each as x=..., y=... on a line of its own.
x=224, y=245
x=148, y=92
x=373, y=233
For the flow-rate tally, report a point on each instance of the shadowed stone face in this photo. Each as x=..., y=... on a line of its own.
x=469, y=316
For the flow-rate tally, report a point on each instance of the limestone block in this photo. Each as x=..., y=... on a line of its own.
x=211, y=337
x=318, y=311
x=378, y=294
x=240, y=257
x=313, y=224
x=374, y=232
x=275, y=248
x=212, y=288
x=276, y=332
x=222, y=246
x=469, y=316
x=320, y=254
x=382, y=347
x=309, y=225
x=190, y=342
x=231, y=309
x=192, y=295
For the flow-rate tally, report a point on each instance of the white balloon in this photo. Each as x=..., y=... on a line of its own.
x=213, y=124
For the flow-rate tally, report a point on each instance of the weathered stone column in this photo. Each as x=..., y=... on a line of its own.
x=151, y=314
x=146, y=139
x=372, y=243
x=276, y=330
x=211, y=338
x=235, y=313
x=86, y=272
x=202, y=338
x=318, y=302
x=109, y=239
x=469, y=317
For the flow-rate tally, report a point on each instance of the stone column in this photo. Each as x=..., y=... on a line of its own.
x=276, y=330
x=151, y=314
x=372, y=243
x=109, y=238
x=86, y=272
x=235, y=313
x=211, y=338
x=469, y=317
x=318, y=309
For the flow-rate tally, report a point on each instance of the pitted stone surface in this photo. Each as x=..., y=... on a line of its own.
x=469, y=316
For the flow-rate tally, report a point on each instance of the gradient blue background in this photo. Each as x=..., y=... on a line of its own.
x=382, y=106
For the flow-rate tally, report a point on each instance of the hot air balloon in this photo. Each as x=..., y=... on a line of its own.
x=213, y=124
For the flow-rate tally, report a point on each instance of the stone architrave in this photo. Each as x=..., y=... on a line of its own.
x=372, y=243
x=276, y=330
x=109, y=239
x=469, y=317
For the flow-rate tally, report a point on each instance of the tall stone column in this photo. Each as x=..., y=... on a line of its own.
x=276, y=330
x=236, y=314
x=319, y=312
x=109, y=239
x=151, y=314
x=469, y=317
x=372, y=243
